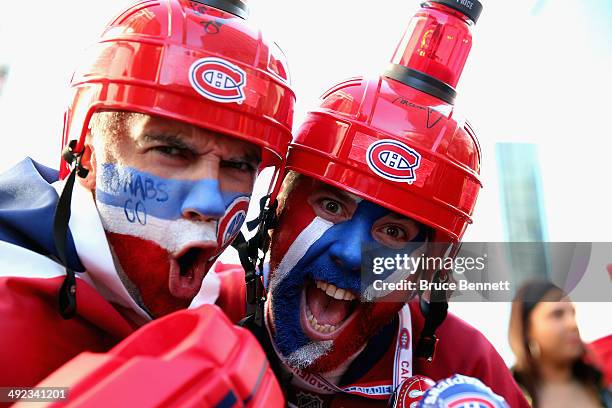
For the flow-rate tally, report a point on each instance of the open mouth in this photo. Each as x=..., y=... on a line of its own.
x=187, y=271
x=326, y=309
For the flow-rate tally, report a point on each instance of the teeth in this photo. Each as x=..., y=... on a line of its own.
x=332, y=291
x=335, y=292
x=348, y=296
x=321, y=328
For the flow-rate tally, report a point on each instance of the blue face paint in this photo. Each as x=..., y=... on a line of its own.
x=334, y=258
x=151, y=196
x=138, y=204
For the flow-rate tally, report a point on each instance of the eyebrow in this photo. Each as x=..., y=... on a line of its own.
x=341, y=194
x=250, y=158
x=179, y=143
x=172, y=140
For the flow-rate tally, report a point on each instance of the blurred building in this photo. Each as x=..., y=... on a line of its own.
x=521, y=200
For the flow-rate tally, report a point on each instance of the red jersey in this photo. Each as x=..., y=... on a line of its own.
x=461, y=349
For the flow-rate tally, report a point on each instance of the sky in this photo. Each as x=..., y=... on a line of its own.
x=538, y=73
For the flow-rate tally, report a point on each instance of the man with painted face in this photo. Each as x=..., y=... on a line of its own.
x=177, y=108
x=387, y=162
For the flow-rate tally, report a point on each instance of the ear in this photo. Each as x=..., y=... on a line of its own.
x=88, y=161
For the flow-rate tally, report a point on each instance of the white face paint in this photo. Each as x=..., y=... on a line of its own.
x=141, y=205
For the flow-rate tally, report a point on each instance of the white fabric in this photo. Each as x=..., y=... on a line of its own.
x=209, y=292
x=27, y=264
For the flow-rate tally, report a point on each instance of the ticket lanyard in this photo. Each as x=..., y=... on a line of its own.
x=402, y=366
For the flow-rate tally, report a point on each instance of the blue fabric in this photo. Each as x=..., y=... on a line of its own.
x=27, y=206
x=228, y=401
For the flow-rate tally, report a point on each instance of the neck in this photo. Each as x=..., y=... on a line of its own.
x=554, y=372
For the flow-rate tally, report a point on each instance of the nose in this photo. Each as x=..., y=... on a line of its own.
x=572, y=325
x=346, y=251
x=204, y=202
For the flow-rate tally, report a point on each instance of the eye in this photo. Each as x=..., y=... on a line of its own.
x=238, y=165
x=395, y=232
x=172, y=151
x=558, y=313
x=330, y=209
x=331, y=206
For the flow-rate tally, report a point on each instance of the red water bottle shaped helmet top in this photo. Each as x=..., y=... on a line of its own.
x=396, y=140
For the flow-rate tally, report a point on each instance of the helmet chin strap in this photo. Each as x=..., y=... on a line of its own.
x=252, y=262
x=434, y=311
x=67, y=292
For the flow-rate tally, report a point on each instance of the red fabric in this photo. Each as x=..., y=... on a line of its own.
x=602, y=354
x=464, y=350
x=232, y=297
x=193, y=357
x=461, y=349
x=35, y=339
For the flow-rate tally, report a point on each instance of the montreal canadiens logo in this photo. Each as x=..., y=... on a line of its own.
x=471, y=401
x=217, y=79
x=404, y=339
x=232, y=221
x=393, y=160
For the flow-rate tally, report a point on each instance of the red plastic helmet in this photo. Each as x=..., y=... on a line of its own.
x=194, y=61
x=396, y=140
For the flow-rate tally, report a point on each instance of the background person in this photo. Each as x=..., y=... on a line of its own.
x=552, y=365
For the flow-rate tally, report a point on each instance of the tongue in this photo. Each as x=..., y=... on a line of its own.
x=187, y=281
x=326, y=309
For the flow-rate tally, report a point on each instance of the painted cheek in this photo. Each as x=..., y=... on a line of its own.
x=295, y=217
